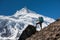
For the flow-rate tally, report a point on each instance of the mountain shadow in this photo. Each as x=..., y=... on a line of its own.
x=30, y=30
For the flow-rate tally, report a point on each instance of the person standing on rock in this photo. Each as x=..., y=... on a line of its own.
x=41, y=20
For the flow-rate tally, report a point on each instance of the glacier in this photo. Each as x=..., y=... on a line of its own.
x=11, y=27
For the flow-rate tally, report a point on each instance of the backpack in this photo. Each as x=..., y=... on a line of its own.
x=41, y=19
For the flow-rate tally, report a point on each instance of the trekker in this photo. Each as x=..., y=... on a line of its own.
x=40, y=19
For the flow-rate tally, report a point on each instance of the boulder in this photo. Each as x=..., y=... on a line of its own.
x=27, y=32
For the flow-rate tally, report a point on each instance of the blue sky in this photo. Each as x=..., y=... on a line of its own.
x=50, y=8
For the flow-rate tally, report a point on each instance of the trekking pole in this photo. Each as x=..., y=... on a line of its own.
x=41, y=33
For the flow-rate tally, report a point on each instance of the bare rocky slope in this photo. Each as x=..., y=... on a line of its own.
x=52, y=32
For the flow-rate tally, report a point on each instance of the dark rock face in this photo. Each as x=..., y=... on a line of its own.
x=27, y=32
x=58, y=19
x=52, y=32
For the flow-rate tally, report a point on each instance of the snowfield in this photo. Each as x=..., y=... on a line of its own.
x=11, y=27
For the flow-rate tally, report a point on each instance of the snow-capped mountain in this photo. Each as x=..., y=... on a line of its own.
x=11, y=27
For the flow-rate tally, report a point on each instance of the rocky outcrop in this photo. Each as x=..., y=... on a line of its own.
x=27, y=32
x=52, y=32
x=58, y=19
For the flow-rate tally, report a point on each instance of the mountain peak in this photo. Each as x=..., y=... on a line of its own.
x=10, y=26
x=23, y=11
